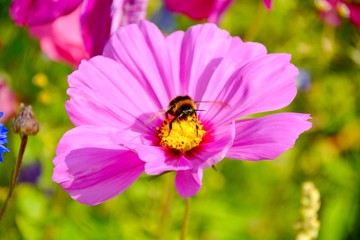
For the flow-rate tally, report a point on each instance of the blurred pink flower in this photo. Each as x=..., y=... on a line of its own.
x=61, y=39
x=212, y=10
x=268, y=4
x=74, y=30
x=8, y=101
x=114, y=98
x=331, y=11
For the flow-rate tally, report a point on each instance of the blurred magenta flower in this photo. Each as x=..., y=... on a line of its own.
x=120, y=131
x=74, y=30
x=212, y=10
x=8, y=101
x=268, y=4
x=31, y=13
x=331, y=11
x=3, y=138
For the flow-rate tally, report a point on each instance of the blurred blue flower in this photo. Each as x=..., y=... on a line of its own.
x=3, y=138
x=303, y=81
x=30, y=173
x=165, y=20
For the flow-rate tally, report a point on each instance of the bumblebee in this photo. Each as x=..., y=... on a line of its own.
x=181, y=108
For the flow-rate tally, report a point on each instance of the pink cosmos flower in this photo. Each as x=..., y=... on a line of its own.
x=74, y=30
x=212, y=10
x=120, y=131
x=331, y=11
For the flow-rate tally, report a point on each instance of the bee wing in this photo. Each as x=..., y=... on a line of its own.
x=156, y=115
x=215, y=107
x=216, y=103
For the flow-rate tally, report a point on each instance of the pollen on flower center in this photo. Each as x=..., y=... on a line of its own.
x=184, y=134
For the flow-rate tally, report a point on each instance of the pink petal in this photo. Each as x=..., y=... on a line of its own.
x=92, y=175
x=104, y=137
x=142, y=49
x=61, y=40
x=92, y=168
x=205, y=57
x=214, y=147
x=89, y=136
x=158, y=161
x=174, y=42
x=265, y=84
x=37, y=12
x=188, y=183
x=104, y=93
x=267, y=137
x=202, y=50
x=268, y=4
x=212, y=87
x=96, y=24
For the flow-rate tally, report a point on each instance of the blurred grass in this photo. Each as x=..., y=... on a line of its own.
x=242, y=200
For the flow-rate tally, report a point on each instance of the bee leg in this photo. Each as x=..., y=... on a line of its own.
x=197, y=127
x=170, y=123
x=170, y=126
x=178, y=120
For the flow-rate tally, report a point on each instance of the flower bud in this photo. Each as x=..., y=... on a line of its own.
x=24, y=122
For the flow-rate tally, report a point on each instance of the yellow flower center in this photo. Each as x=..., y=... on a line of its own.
x=182, y=135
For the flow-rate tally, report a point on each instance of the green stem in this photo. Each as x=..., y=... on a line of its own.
x=256, y=23
x=15, y=174
x=165, y=206
x=186, y=219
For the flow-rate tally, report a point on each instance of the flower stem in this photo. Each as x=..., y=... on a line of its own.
x=256, y=23
x=186, y=219
x=165, y=207
x=15, y=174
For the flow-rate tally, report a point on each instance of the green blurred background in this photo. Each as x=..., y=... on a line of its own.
x=241, y=200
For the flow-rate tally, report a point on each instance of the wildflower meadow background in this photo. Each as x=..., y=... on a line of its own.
x=238, y=199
